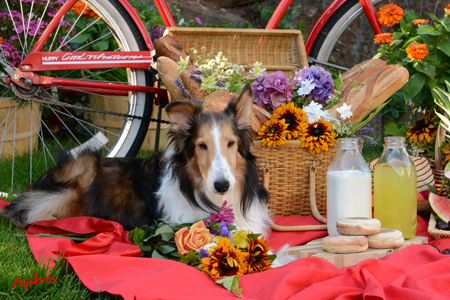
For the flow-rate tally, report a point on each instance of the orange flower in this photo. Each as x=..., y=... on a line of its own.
x=417, y=51
x=225, y=260
x=1, y=40
x=192, y=239
x=389, y=15
x=447, y=9
x=383, y=38
x=446, y=151
x=79, y=8
x=420, y=21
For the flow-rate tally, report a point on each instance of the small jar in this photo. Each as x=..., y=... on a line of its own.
x=395, y=188
x=349, y=184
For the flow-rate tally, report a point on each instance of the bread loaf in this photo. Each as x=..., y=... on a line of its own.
x=167, y=70
x=218, y=100
x=169, y=47
x=259, y=117
x=374, y=91
x=192, y=86
x=360, y=73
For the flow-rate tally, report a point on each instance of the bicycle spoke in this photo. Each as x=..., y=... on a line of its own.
x=56, y=34
x=353, y=50
x=65, y=43
x=73, y=25
x=370, y=44
x=14, y=24
x=5, y=130
x=109, y=33
x=39, y=24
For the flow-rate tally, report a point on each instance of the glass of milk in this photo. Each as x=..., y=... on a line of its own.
x=349, y=184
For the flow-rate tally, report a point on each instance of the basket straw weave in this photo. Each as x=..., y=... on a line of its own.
x=437, y=233
x=277, y=50
x=436, y=165
x=285, y=172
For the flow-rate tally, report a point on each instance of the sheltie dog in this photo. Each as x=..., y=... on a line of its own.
x=207, y=161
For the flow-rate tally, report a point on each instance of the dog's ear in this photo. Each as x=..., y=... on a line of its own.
x=182, y=113
x=241, y=107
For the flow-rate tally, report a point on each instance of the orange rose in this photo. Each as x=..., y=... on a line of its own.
x=389, y=15
x=383, y=38
x=417, y=51
x=192, y=239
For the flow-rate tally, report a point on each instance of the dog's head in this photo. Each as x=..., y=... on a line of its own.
x=212, y=146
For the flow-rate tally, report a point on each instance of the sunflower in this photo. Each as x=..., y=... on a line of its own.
x=423, y=133
x=417, y=51
x=420, y=21
x=273, y=132
x=225, y=260
x=318, y=136
x=389, y=15
x=258, y=255
x=383, y=38
x=446, y=151
x=294, y=117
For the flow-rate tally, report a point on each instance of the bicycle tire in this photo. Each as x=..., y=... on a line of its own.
x=133, y=131
x=350, y=16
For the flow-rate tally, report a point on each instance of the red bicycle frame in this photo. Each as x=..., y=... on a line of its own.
x=57, y=61
x=369, y=10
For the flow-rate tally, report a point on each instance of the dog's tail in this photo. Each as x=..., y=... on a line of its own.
x=57, y=193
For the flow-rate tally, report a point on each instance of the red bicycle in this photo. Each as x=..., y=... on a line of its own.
x=64, y=55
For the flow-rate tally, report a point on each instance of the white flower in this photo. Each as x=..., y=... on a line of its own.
x=306, y=87
x=181, y=22
x=416, y=151
x=229, y=72
x=345, y=112
x=314, y=112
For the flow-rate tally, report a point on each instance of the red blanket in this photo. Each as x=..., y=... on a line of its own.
x=109, y=262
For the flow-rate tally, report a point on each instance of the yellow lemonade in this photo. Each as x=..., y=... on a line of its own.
x=395, y=197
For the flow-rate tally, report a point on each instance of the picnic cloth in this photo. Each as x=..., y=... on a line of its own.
x=109, y=263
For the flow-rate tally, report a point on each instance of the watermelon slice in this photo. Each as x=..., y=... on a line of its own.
x=441, y=206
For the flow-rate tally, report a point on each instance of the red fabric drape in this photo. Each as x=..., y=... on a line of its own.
x=109, y=262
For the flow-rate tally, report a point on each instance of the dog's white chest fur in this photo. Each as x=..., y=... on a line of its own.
x=176, y=209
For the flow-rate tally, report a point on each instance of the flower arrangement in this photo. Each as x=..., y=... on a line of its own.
x=422, y=48
x=214, y=246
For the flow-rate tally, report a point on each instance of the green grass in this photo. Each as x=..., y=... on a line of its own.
x=16, y=260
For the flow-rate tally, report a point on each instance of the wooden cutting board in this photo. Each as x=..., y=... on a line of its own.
x=314, y=248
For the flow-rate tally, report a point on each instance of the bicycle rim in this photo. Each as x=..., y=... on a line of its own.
x=347, y=37
x=33, y=131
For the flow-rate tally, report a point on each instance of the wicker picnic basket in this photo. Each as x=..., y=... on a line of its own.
x=436, y=163
x=437, y=233
x=277, y=50
x=291, y=174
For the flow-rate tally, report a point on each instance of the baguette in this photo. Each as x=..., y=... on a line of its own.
x=168, y=72
x=192, y=86
x=360, y=73
x=374, y=91
x=169, y=47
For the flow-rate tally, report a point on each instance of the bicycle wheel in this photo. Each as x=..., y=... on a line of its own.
x=37, y=123
x=347, y=37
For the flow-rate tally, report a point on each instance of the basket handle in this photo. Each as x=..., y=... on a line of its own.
x=440, y=135
x=312, y=201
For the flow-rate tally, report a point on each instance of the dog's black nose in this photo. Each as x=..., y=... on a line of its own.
x=221, y=186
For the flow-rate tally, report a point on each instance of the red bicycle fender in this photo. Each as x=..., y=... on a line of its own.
x=138, y=23
x=317, y=27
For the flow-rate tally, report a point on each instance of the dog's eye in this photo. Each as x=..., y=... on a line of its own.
x=203, y=146
x=230, y=144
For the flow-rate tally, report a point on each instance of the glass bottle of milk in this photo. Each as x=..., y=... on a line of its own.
x=349, y=184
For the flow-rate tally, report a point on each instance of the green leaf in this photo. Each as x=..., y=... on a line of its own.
x=432, y=16
x=81, y=38
x=418, y=99
x=165, y=231
x=432, y=189
x=189, y=258
x=272, y=257
x=155, y=254
x=254, y=235
x=138, y=235
x=355, y=84
x=414, y=85
x=166, y=248
x=145, y=248
x=101, y=45
x=425, y=68
x=444, y=46
x=338, y=81
x=231, y=227
x=231, y=283
x=390, y=128
x=428, y=30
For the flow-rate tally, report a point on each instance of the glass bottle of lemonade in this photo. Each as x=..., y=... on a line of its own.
x=395, y=188
x=349, y=184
